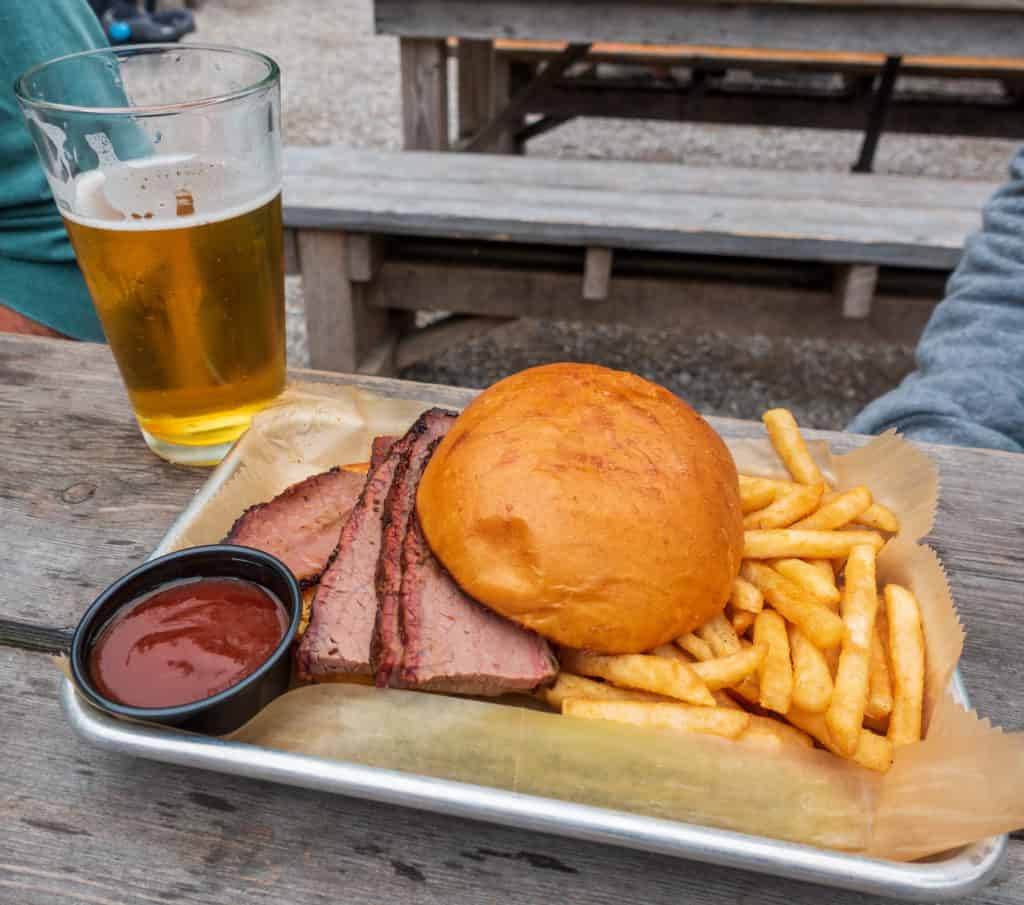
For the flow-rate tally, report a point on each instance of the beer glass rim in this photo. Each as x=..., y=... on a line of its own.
x=272, y=75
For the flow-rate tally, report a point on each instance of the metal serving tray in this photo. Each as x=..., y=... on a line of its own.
x=938, y=879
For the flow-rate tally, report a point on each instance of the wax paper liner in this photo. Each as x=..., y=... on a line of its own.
x=962, y=783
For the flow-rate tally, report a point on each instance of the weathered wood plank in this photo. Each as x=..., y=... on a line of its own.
x=364, y=256
x=424, y=76
x=981, y=28
x=475, y=85
x=639, y=178
x=342, y=328
x=837, y=217
x=82, y=825
x=291, y=252
x=597, y=273
x=980, y=116
x=589, y=9
x=82, y=499
x=759, y=59
x=507, y=120
x=855, y=290
x=694, y=304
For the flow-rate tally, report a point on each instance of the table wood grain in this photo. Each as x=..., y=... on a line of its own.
x=837, y=217
x=964, y=28
x=82, y=501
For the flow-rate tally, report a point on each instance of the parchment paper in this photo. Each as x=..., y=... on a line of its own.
x=964, y=782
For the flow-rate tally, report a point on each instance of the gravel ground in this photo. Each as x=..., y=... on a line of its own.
x=340, y=86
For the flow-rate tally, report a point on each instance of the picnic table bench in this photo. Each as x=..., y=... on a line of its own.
x=487, y=238
x=83, y=501
x=872, y=40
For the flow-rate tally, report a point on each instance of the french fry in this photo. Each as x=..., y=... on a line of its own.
x=906, y=650
x=772, y=735
x=724, y=672
x=810, y=579
x=755, y=496
x=879, y=517
x=720, y=636
x=741, y=621
x=722, y=721
x=696, y=647
x=837, y=510
x=755, y=484
x=748, y=690
x=828, y=571
x=787, y=508
x=775, y=673
x=783, y=543
x=656, y=674
x=744, y=596
x=822, y=627
x=879, y=703
x=568, y=685
x=789, y=444
x=722, y=699
x=845, y=714
x=670, y=652
x=872, y=751
x=812, y=679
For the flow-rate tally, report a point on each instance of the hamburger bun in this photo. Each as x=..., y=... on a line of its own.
x=587, y=504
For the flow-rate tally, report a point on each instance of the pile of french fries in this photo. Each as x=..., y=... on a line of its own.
x=807, y=651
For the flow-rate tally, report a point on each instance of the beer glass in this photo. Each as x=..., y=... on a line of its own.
x=165, y=163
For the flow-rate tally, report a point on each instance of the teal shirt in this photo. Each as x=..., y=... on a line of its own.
x=38, y=274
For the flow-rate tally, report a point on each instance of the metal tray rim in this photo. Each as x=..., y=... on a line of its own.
x=935, y=880
x=964, y=873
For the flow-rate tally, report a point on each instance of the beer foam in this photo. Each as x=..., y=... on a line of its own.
x=167, y=192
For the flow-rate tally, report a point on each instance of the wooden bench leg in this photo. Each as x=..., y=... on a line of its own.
x=475, y=85
x=424, y=65
x=291, y=252
x=365, y=254
x=855, y=289
x=597, y=274
x=345, y=332
x=485, y=87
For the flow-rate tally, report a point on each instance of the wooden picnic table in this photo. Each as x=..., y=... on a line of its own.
x=82, y=501
x=489, y=91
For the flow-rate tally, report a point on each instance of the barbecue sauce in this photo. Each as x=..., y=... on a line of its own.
x=186, y=641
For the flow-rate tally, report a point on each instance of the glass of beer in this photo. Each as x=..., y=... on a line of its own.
x=165, y=163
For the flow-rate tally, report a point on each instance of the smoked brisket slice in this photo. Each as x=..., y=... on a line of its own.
x=337, y=642
x=454, y=644
x=386, y=650
x=380, y=448
x=300, y=526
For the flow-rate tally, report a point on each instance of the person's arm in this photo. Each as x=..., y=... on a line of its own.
x=39, y=278
x=968, y=389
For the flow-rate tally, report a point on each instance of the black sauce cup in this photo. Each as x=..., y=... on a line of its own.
x=232, y=707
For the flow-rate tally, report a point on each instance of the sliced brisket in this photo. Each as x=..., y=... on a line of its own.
x=337, y=642
x=454, y=644
x=300, y=526
x=381, y=446
x=386, y=650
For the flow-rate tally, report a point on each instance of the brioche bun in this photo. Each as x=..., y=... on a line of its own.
x=587, y=504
